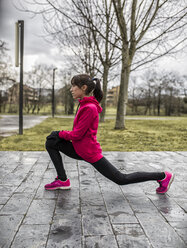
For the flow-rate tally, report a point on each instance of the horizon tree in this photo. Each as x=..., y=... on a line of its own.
x=40, y=77
x=148, y=31
x=8, y=76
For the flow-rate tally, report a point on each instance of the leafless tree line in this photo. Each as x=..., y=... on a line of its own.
x=155, y=91
x=110, y=36
x=37, y=86
x=158, y=93
x=107, y=34
x=7, y=74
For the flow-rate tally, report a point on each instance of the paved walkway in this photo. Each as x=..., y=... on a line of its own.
x=9, y=124
x=95, y=212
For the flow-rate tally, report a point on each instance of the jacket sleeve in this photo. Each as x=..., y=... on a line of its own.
x=87, y=115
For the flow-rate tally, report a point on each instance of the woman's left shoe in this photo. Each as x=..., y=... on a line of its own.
x=58, y=184
x=165, y=183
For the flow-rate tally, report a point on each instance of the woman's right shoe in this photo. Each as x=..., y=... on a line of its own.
x=165, y=183
x=58, y=184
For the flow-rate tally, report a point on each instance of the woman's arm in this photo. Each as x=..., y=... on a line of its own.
x=87, y=115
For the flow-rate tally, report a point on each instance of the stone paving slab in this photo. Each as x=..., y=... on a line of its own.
x=95, y=212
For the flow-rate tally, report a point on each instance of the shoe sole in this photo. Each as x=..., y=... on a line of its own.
x=169, y=184
x=62, y=188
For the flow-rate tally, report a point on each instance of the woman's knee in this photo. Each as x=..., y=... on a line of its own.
x=49, y=144
x=120, y=178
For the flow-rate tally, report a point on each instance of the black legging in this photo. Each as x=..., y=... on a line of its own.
x=103, y=165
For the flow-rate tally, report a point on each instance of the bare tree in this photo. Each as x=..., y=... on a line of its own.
x=148, y=30
x=173, y=87
x=184, y=79
x=7, y=74
x=40, y=77
x=151, y=88
x=64, y=94
x=136, y=94
x=100, y=21
x=161, y=90
x=89, y=29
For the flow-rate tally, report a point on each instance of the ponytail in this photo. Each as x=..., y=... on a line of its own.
x=98, y=93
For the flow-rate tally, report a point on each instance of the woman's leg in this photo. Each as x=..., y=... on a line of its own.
x=109, y=171
x=54, y=150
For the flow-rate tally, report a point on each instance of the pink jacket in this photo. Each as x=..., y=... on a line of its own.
x=84, y=132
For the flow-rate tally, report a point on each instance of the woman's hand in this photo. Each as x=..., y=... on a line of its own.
x=53, y=135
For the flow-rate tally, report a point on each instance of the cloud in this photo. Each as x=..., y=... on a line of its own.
x=35, y=47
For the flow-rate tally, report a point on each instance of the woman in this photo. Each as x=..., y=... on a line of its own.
x=81, y=143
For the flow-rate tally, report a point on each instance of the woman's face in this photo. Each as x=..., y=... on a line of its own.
x=78, y=92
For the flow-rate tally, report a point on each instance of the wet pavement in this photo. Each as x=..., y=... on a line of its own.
x=9, y=124
x=95, y=212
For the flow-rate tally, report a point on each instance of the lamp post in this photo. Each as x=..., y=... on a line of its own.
x=19, y=49
x=53, y=93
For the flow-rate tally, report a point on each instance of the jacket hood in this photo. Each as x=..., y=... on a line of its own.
x=91, y=99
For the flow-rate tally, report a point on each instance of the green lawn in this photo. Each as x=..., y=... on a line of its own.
x=140, y=135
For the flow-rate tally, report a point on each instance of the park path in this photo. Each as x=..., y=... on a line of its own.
x=95, y=212
x=9, y=124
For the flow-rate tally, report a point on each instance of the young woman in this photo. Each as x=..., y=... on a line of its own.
x=81, y=143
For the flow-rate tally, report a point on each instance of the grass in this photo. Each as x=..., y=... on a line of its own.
x=145, y=135
x=140, y=135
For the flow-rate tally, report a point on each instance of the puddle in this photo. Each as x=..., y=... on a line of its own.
x=61, y=233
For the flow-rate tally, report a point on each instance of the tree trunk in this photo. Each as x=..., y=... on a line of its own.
x=123, y=93
x=170, y=102
x=149, y=101
x=178, y=106
x=0, y=100
x=39, y=99
x=133, y=102
x=159, y=101
x=146, y=108
x=103, y=103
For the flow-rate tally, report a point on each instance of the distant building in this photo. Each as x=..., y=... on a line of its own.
x=112, y=96
x=29, y=94
x=44, y=92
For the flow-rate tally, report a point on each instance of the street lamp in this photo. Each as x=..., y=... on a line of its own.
x=53, y=93
x=19, y=50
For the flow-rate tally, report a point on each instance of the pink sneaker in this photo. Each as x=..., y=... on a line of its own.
x=58, y=184
x=165, y=183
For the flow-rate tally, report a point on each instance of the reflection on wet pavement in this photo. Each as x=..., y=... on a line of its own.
x=95, y=212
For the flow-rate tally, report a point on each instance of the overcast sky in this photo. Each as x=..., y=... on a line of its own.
x=37, y=50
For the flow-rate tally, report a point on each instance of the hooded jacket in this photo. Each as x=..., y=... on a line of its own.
x=83, y=135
